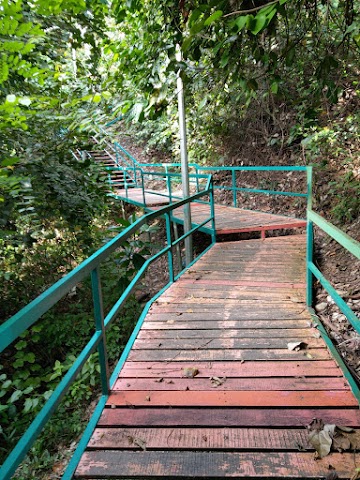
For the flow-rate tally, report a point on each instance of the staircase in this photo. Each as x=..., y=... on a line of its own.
x=118, y=176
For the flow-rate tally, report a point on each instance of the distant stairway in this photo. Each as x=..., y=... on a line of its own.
x=117, y=175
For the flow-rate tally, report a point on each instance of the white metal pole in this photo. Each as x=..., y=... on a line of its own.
x=184, y=162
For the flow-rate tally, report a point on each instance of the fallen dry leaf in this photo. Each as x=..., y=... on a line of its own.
x=341, y=442
x=217, y=381
x=321, y=436
x=190, y=372
x=295, y=300
x=296, y=346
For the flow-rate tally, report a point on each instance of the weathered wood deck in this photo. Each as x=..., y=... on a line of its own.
x=229, y=220
x=244, y=413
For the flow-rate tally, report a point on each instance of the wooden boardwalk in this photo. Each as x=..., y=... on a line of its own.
x=211, y=389
x=228, y=220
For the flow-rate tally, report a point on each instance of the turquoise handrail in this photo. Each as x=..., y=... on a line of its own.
x=25, y=318
x=232, y=170
x=352, y=246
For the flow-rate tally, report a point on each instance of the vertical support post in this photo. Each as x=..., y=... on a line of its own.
x=212, y=211
x=184, y=162
x=125, y=182
x=143, y=186
x=197, y=178
x=169, y=242
x=309, y=240
x=135, y=176
x=233, y=181
x=99, y=325
x=168, y=184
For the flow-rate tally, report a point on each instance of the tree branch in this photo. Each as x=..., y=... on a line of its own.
x=250, y=10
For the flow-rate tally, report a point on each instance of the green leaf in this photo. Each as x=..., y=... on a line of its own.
x=96, y=98
x=260, y=21
x=15, y=396
x=224, y=59
x=6, y=384
x=21, y=345
x=9, y=162
x=240, y=22
x=138, y=261
x=194, y=16
x=197, y=27
x=215, y=16
x=274, y=87
x=186, y=44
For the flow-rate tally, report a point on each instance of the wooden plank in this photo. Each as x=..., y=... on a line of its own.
x=117, y=464
x=250, y=283
x=200, y=438
x=234, y=399
x=214, y=355
x=271, y=342
x=182, y=321
x=204, y=286
x=220, y=417
x=229, y=333
x=320, y=368
x=230, y=384
x=228, y=302
x=231, y=311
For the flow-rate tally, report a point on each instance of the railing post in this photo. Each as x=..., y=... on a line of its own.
x=99, y=325
x=125, y=182
x=169, y=242
x=143, y=186
x=135, y=176
x=168, y=183
x=309, y=240
x=197, y=178
x=212, y=211
x=233, y=181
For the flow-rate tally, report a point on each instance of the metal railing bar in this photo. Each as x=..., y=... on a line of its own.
x=353, y=319
x=27, y=316
x=117, y=306
x=338, y=235
x=28, y=438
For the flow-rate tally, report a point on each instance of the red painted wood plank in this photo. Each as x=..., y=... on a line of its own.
x=271, y=342
x=320, y=368
x=229, y=333
x=258, y=228
x=234, y=399
x=248, y=283
x=200, y=438
x=109, y=463
x=231, y=417
x=230, y=384
x=173, y=321
x=219, y=355
x=233, y=312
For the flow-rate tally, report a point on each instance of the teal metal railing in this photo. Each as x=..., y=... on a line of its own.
x=233, y=172
x=170, y=183
x=312, y=271
x=30, y=314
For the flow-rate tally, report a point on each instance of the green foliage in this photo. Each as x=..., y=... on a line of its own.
x=346, y=204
